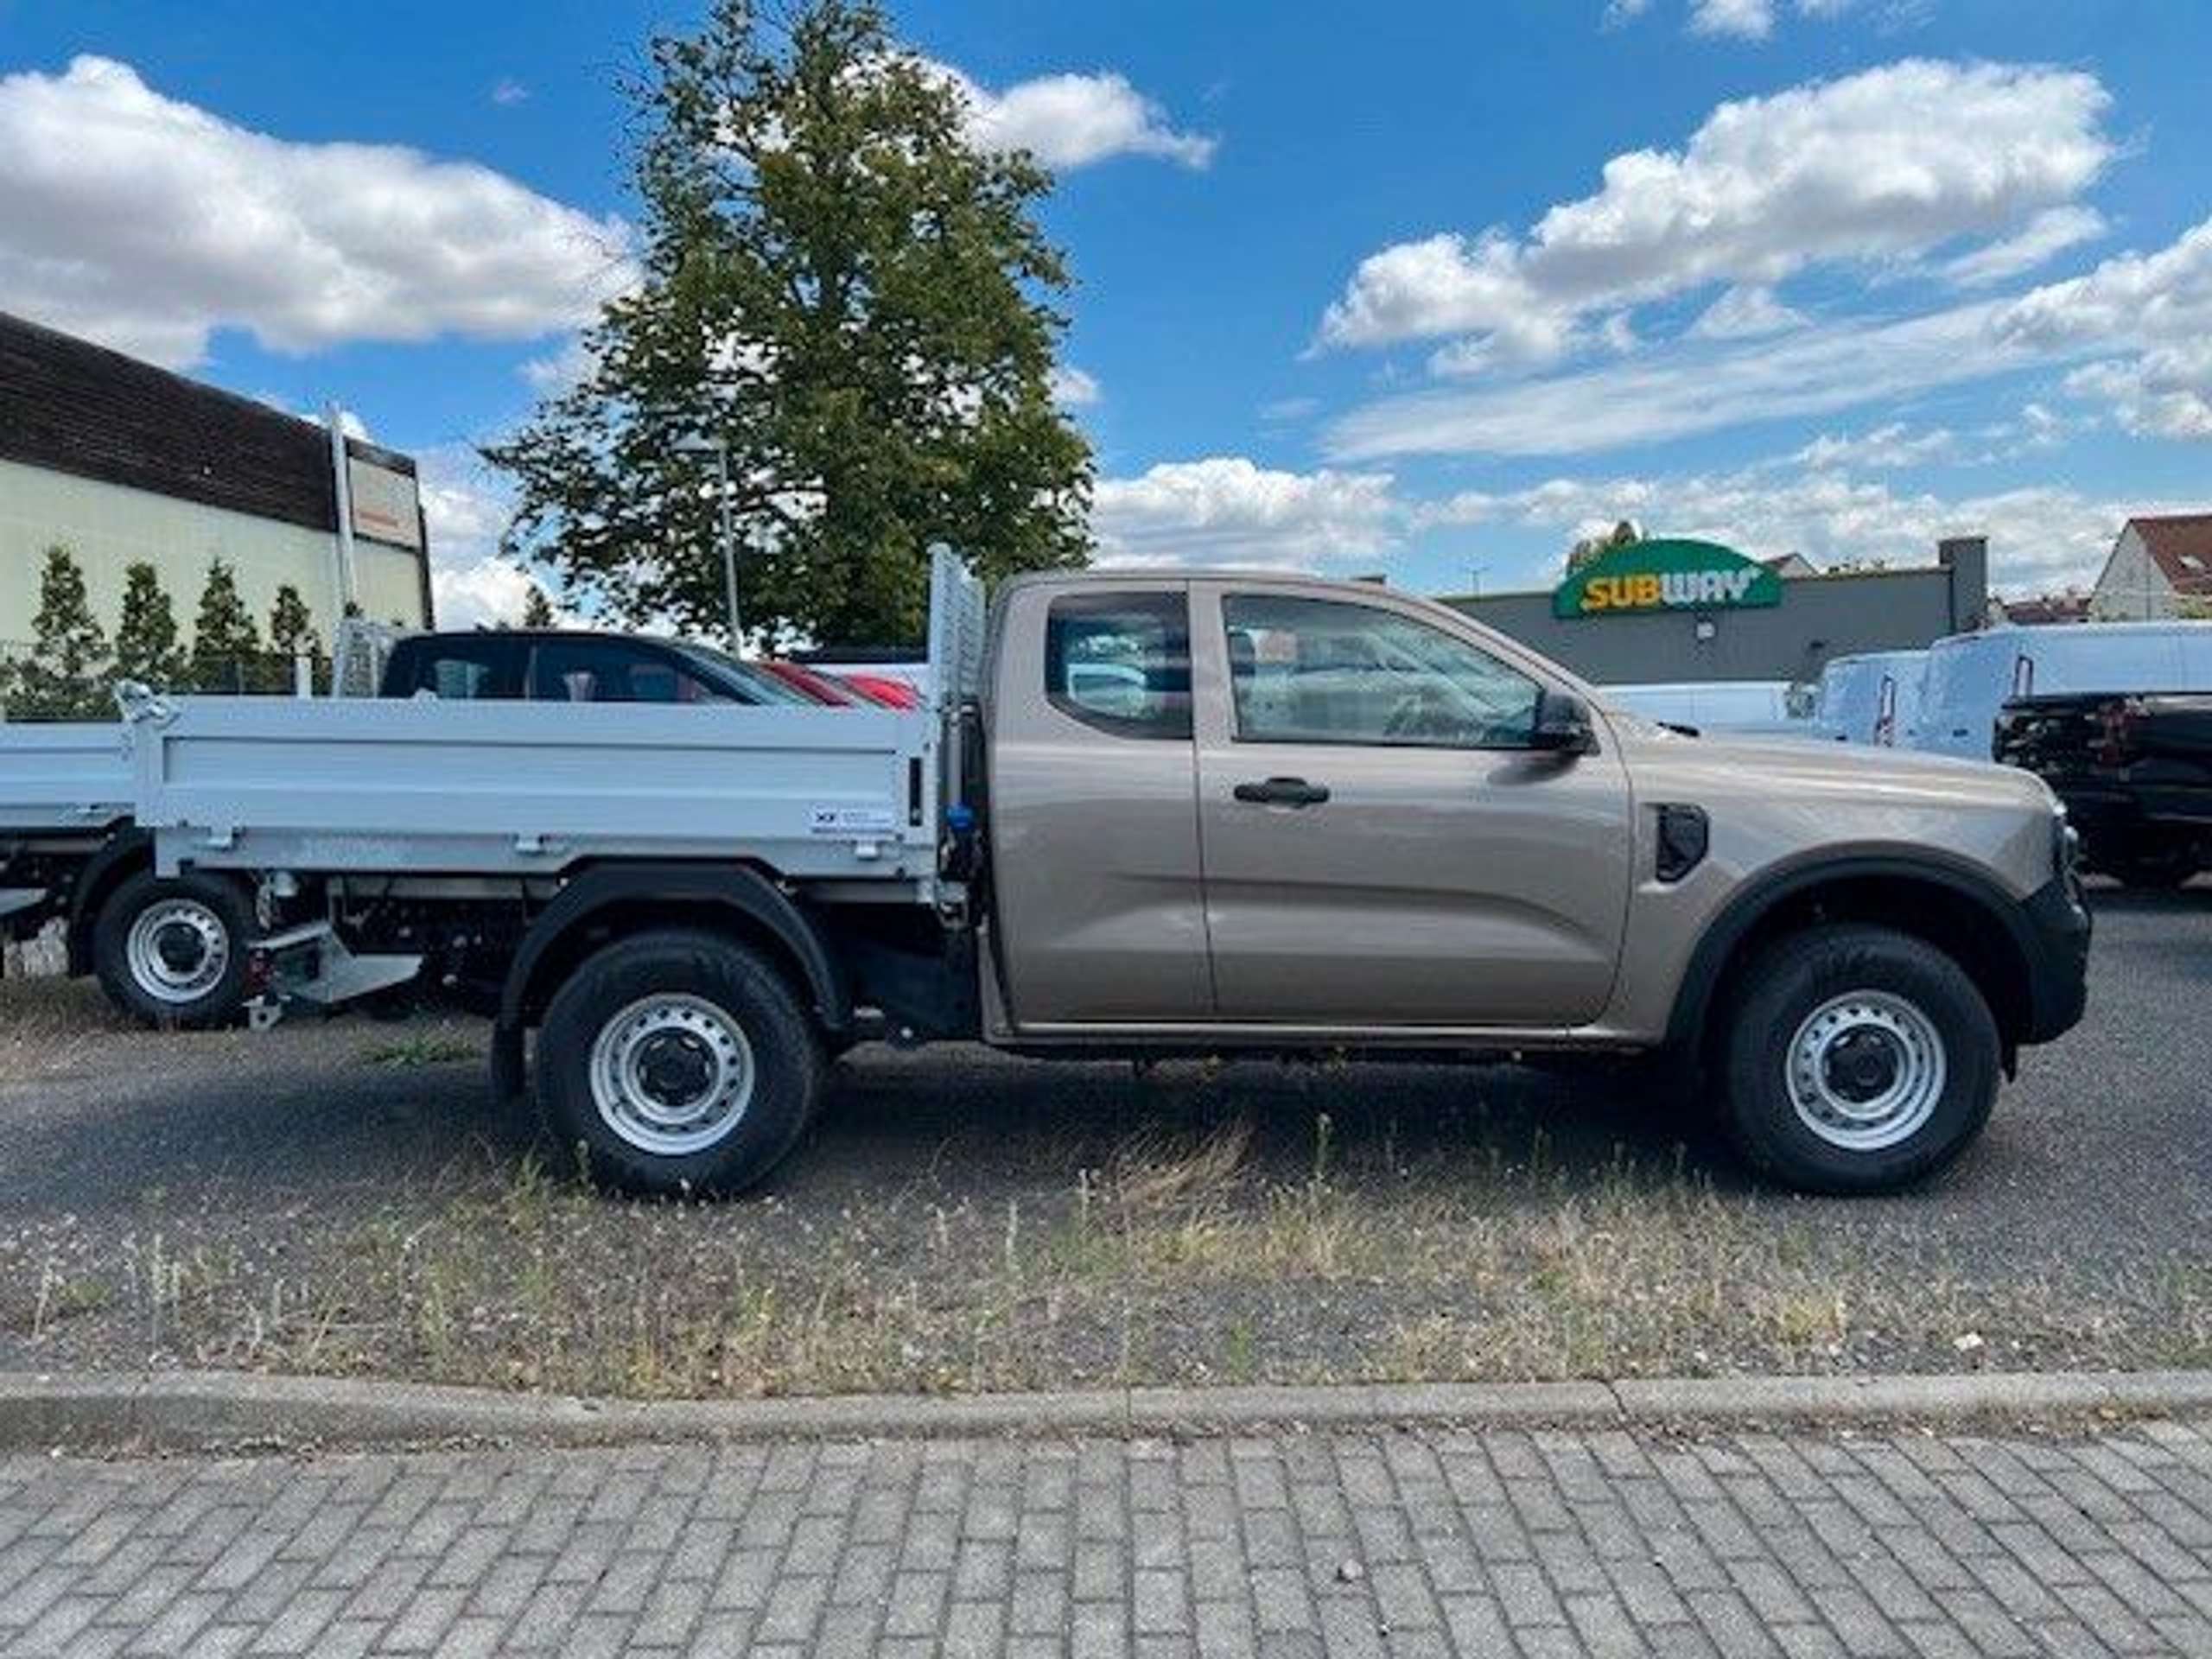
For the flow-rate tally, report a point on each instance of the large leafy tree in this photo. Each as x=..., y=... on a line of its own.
x=225, y=645
x=65, y=675
x=145, y=638
x=854, y=303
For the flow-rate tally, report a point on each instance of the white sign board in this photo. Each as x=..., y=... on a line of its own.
x=385, y=505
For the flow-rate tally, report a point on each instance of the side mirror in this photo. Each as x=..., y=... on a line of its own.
x=1562, y=725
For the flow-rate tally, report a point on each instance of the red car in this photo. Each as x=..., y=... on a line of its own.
x=814, y=685
x=883, y=689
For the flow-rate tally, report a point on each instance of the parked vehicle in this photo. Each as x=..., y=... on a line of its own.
x=1736, y=708
x=1872, y=697
x=884, y=690
x=2135, y=773
x=569, y=667
x=172, y=951
x=1970, y=675
x=812, y=684
x=1335, y=819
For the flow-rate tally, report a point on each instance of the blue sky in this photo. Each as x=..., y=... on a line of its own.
x=1419, y=289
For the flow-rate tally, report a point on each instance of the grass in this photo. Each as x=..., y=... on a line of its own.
x=439, y=1045
x=1178, y=1257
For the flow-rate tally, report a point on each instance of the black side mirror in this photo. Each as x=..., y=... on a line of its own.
x=1562, y=725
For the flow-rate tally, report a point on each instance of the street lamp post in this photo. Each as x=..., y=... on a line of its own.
x=727, y=527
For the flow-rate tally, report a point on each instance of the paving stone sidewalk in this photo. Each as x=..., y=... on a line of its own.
x=1405, y=1543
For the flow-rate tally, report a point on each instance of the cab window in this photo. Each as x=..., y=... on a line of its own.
x=1121, y=662
x=1314, y=670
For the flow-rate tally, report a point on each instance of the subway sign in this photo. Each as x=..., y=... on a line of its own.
x=1666, y=575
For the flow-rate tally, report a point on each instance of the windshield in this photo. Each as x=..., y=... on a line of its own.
x=759, y=684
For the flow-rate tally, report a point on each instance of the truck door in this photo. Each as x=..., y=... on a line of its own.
x=1094, y=808
x=1381, y=846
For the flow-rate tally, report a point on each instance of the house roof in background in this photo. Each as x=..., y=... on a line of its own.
x=2181, y=546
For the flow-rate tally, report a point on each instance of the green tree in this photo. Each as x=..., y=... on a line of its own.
x=537, y=610
x=854, y=303
x=145, y=638
x=1590, y=549
x=292, y=635
x=225, y=645
x=65, y=677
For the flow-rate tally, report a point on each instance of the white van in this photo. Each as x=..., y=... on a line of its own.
x=1741, y=707
x=1970, y=675
x=1871, y=697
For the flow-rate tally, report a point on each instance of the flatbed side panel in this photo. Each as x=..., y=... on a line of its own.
x=64, y=775
x=509, y=788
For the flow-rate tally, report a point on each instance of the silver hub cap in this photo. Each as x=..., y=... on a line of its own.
x=672, y=1074
x=178, y=950
x=1864, y=1070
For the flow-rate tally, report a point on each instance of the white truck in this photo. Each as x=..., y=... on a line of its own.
x=1140, y=813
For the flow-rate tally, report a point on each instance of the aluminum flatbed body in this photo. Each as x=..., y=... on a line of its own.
x=64, y=777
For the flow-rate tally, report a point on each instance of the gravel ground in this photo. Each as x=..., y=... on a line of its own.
x=344, y=1198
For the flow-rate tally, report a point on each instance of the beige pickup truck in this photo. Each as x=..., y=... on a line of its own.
x=1146, y=814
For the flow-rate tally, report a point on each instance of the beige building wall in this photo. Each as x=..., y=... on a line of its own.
x=107, y=526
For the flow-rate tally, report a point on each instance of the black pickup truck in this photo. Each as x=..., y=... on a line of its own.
x=2134, y=770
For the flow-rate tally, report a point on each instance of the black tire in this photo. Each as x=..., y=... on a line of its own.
x=1781, y=991
x=212, y=917
x=784, y=1048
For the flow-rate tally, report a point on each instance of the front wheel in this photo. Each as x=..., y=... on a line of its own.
x=679, y=1063
x=1858, y=1060
x=172, y=951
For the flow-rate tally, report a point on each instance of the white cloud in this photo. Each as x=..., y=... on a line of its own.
x=2038, y=537
x=1745, y=311
x=508, y=91
x=1070, y=120
x=1679, y=391
x=559, y=371
x=2150, y=317
x=2047, y=235
x=148, y=223
x=466, y=507
x=1743, y=20
x=1074, y=388
x=1893, y=445
x=1845, y=170
x=1227, y=509
x=2143, y=318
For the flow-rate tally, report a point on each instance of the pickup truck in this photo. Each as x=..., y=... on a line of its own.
x=1142, y=814
x=170, y=951
x=2134, y=770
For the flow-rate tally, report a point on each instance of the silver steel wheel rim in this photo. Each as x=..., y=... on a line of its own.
x=1866, y=1071
x=671, y=1073
x=178, y=950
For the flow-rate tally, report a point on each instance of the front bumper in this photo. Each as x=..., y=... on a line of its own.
x=2058, y=958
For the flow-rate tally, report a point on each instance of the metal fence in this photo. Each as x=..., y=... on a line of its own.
x=35, y=688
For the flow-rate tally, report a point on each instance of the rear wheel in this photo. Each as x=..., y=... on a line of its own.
x=677, y=1062
x=1858, y=1060
x=171, y=950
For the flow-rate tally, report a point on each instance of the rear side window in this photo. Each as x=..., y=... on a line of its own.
x=1121, y=662
x=460, y=671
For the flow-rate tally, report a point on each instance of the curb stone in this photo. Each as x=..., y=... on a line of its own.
x=187, y=1411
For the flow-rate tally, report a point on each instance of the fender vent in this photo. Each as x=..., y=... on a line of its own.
x=1684, y=833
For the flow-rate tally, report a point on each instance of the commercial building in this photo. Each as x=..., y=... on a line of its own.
x=2159, y=568
x=1671, y=610
x=119, y=461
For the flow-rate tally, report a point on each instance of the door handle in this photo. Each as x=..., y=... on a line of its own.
x=1283, y=791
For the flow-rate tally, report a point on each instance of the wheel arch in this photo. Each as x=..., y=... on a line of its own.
x=1956, y=909
x=122, y=857
x=603, y=906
